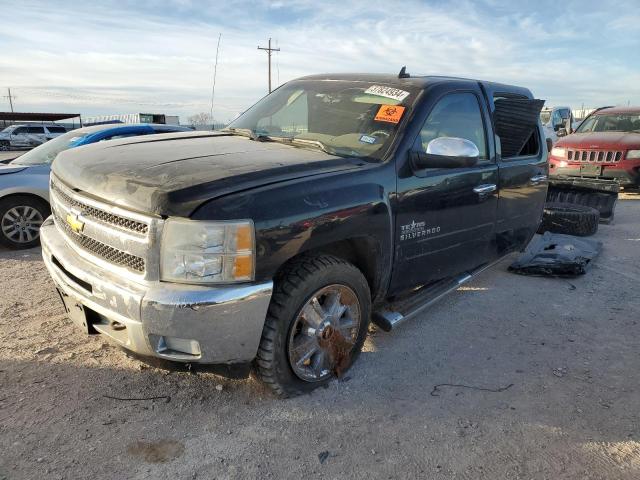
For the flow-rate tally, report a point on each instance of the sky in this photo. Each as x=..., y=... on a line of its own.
x=102, y=57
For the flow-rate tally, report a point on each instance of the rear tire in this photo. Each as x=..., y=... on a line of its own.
x=20, y=219
x=292, y=349
x=569, y=219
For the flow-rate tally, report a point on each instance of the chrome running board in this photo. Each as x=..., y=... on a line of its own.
x=394, y=313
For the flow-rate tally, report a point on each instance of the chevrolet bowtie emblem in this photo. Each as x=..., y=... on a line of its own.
x=75, y=223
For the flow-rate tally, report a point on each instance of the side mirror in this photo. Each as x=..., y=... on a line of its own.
x=562, y=132
x=446, y=152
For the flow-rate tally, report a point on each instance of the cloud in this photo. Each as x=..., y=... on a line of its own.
x=152, y=55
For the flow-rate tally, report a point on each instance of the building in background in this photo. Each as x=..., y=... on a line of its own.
x=159, y=118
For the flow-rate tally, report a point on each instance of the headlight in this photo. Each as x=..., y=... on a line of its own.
x=196, y=251
x=631, y=154
x=558, y=152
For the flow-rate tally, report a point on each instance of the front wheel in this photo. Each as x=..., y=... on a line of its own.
x=316, y=324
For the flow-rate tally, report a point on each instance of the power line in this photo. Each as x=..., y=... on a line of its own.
x=213, y=87
x=269, y=50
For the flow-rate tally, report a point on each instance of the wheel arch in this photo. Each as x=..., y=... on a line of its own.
x=364, y=252
x=32, y=195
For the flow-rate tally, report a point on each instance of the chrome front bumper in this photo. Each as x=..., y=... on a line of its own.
x=151, y=319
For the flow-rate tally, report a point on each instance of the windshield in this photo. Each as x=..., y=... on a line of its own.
x=626, y=122
x=344, y=118
x=46, y=152
x=545, y=117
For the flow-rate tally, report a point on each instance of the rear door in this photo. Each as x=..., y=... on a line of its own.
x=523, y=178
x=445, y=218
x=36, y=135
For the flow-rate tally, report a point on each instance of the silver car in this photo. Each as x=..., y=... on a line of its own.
x=24, y=183
x=28, y=136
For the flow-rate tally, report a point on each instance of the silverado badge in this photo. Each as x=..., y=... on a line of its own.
x=73, y=220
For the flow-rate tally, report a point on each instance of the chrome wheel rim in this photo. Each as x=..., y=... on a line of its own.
x=21, y=224
x=332, y=308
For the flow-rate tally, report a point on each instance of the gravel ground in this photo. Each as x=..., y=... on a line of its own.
x=569, y=350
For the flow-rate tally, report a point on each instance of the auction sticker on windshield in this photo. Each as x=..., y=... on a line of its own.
x=389, y=113
x=388, y=92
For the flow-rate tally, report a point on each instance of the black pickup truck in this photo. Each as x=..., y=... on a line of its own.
x=333, y=201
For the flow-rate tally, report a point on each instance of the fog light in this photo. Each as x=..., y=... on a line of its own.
x=169, y=345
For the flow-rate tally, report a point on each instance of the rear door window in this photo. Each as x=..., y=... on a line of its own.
x=516, y=123
x=36, y=130
x=53, y=129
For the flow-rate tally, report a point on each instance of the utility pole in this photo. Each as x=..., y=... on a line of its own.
x=213, y=87
x=269, y=50
x=10, y=98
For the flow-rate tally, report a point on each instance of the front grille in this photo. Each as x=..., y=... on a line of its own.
x=101, y=250
x=594, y=156
x=100, y=215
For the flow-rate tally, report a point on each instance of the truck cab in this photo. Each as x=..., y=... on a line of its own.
x=335, y=200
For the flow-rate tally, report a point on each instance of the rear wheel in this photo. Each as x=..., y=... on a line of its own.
x=316, y=324
x=570, y=219
x=20, y=221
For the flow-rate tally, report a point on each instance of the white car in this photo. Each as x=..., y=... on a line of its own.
x=28, y=136
x=556, y=122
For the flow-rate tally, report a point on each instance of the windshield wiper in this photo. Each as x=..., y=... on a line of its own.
x=261, y=137
x=312, y=143
x=247, y=132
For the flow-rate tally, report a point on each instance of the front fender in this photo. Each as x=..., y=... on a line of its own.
x=307, y=214
x=31, y=181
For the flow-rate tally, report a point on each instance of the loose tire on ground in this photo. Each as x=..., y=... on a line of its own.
x=569, y=219
x=20, y=219
x=294, y=291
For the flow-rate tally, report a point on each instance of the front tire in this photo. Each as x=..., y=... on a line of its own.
x=20, y=219
x=316, y=324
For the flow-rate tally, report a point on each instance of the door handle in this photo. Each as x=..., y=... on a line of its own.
x=538, y=178
x=484, y=189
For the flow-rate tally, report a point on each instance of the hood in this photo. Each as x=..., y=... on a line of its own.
x=5, y=169
x=174, y=174
x=601, y=140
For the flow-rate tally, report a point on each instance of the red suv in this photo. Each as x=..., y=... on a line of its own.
x=605, y=145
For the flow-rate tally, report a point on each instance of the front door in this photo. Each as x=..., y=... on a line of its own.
x=19, y=137
x=445, y=218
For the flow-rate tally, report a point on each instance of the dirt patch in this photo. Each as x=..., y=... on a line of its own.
x=160, y=451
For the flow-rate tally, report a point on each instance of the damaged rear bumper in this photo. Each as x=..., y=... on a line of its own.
x=183, y=323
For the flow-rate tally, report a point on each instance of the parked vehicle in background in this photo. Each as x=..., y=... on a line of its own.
x=24, y=183
x=606, y=145
x=157, y=118
x=333, y=200
x=28, y=136
x=556, y=122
